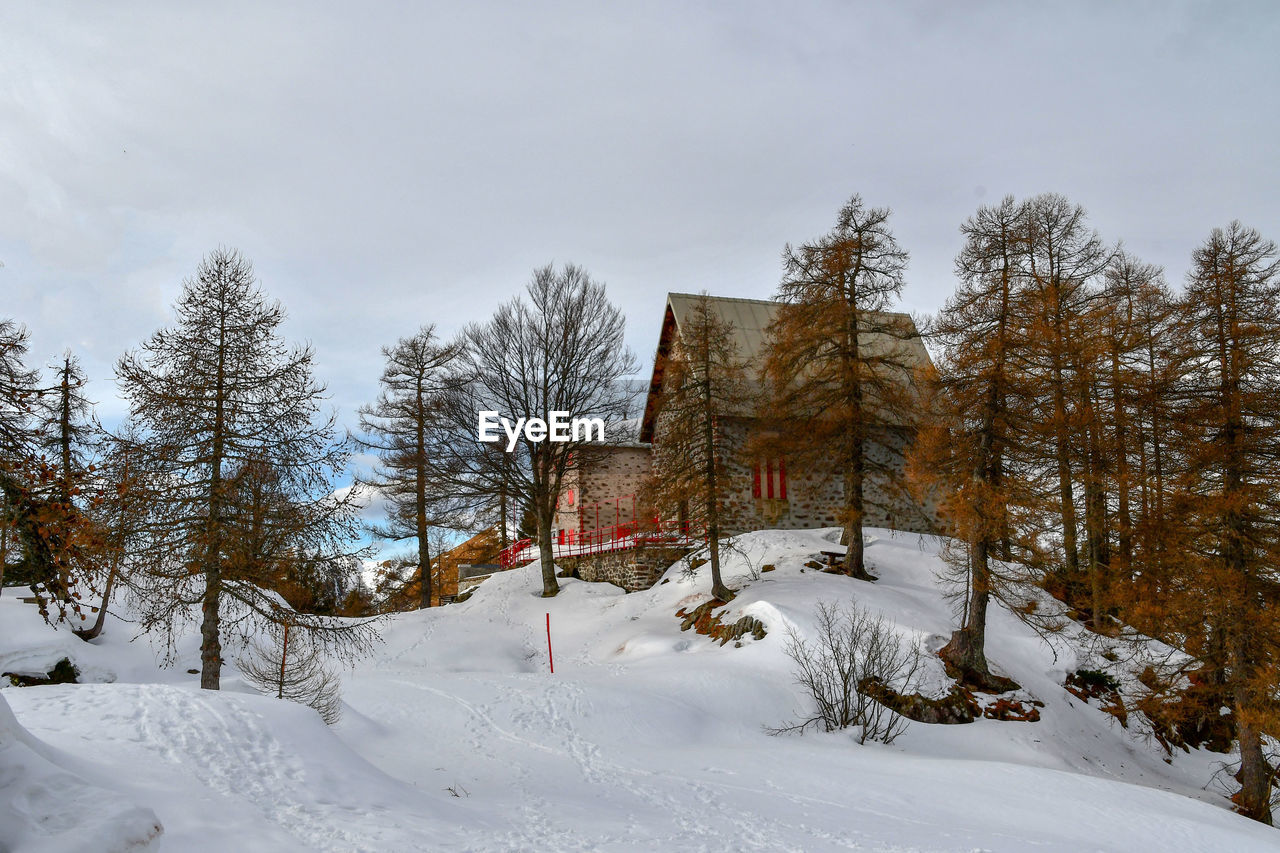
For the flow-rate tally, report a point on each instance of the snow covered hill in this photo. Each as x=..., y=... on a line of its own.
x=455, y=736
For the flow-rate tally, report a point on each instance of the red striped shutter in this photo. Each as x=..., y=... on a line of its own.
x=769, y=479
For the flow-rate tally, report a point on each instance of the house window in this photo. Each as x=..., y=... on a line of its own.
x=769, y=479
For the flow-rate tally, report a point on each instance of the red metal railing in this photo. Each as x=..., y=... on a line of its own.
x=507, y=557
x=618, y=537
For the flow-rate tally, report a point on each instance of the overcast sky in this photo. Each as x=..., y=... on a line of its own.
x=388, y=165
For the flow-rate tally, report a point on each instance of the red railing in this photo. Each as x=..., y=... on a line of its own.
x=618, y=537
x=507, y=557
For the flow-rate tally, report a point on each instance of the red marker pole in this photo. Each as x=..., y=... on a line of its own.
x=550, y=659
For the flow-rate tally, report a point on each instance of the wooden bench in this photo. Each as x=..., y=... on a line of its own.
x=31, y=599
x=834, y=558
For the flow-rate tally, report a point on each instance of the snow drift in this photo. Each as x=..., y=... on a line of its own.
x=456, y=736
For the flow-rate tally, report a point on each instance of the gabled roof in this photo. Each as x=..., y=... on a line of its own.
x=750, y=319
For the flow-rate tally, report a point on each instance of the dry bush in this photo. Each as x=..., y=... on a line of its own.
x=852, y=653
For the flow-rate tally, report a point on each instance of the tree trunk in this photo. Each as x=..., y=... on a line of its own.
x=503, y=539
x=546, y=550
x=210, y=627
x=1124, y=546
x=420, y=499
x=4, y=548
x=210, y=640
x=855, y=556
x=718, y=589
x=1254, y=797
x=284, y=661
x=424, y=572
x=1095, y=512
x=967, y=649
x=90, y=633
x=1062, y=453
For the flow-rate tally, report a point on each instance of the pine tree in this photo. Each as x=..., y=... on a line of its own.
x=66, y=430
x=65, y=435
x=1063, y=259
x=1131, y=321
x=404, y=429
x=212, y=398
x=52, y=535
x=836, y=359
x=19, y=394
x=971, y=456
x=1229, y=436
x=706, y=378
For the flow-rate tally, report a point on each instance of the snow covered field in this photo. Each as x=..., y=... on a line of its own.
x=456, y=737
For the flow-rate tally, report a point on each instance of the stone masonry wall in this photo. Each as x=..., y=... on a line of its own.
x=814, y=498
x=602, y=474
x=639, y=568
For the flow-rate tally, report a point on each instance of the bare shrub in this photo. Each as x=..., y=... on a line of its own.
x=852, y=654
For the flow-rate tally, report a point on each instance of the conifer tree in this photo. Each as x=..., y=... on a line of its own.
x=66, y=430
x=65, y=435
x=1063, y=258
x=52, y=535
x=404, y=429
x=288, y=667
x=972, y=456
x=706, y=379
x=1130, y=325
x=19, y=393
x=836, y=360
x=1229, y=437
x=1155, y=378
x=214, y=397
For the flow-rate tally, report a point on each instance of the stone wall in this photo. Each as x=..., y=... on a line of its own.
x=602, y=474
x=636, y=569
x=815, y=498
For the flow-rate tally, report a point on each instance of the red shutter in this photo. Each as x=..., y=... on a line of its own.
x=782, y=478
x=755, y=479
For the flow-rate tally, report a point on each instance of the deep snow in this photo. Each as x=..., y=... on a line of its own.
x=456, y=737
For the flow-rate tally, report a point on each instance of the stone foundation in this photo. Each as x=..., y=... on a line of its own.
x=636, y=569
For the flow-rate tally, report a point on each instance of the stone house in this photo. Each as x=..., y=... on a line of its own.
x=599, y=494
x=758, y=493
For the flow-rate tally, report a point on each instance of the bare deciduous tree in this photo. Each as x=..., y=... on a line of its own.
x=559, y=348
